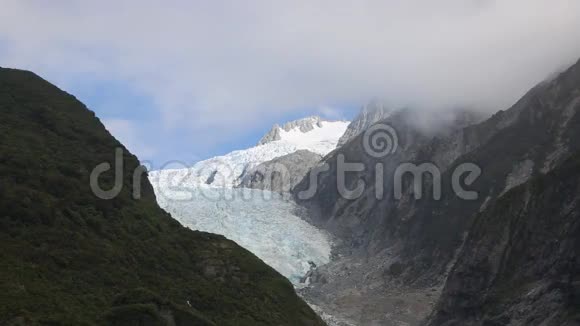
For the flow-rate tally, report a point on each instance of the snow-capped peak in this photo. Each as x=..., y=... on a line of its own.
x=320, y=137
x=313, y=134
x=302, y=126
x=369, y=114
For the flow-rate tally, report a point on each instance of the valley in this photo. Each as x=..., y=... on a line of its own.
x=390, y=261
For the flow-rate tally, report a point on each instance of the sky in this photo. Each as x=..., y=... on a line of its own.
x=186, y=80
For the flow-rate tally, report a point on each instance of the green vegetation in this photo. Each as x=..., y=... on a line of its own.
x=69, y=258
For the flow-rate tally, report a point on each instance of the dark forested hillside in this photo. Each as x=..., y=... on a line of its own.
x=70, y=258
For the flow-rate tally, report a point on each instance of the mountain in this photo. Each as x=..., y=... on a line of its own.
x=71, y=258
x=301, y=126
x=312, y=134
x=359, y=286
x=369, y=114
x=398, y=249
x=520, y=264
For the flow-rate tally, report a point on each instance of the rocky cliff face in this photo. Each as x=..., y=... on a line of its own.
x=369, y=283
x=281, y=174
x=71, y=258
x=369, y=114
x=411, y=243
x=520, y=264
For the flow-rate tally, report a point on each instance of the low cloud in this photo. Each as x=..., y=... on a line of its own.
x=223, y=65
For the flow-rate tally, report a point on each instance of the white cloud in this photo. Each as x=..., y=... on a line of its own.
x=221, y=65
x=331, y=113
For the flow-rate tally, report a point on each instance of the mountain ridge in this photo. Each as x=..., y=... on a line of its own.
x=69, y=257
x=304, y=125
x=368, y=115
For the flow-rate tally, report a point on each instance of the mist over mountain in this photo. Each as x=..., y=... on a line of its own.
x=370, y=114
x=490, y=253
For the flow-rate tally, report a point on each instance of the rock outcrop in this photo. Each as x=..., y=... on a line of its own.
x=369, y=114
x=281, y=174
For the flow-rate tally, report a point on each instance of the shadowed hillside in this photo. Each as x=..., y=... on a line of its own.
x=70, y=258
x=520, y=262
x=410, y=243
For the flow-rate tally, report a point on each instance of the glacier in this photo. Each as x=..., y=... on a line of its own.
x=204, y=197
x=260, y=221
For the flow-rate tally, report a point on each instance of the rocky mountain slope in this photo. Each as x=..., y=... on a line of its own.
x=366, y=284
x=369, y=114
x=520, y=264
x=281, y=174
x=405, y=243
x=70, y=258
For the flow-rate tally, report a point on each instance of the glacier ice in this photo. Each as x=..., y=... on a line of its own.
x=260, y=221
x=202, y=198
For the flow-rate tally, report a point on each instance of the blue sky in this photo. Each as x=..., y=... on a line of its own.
x=186, y=80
